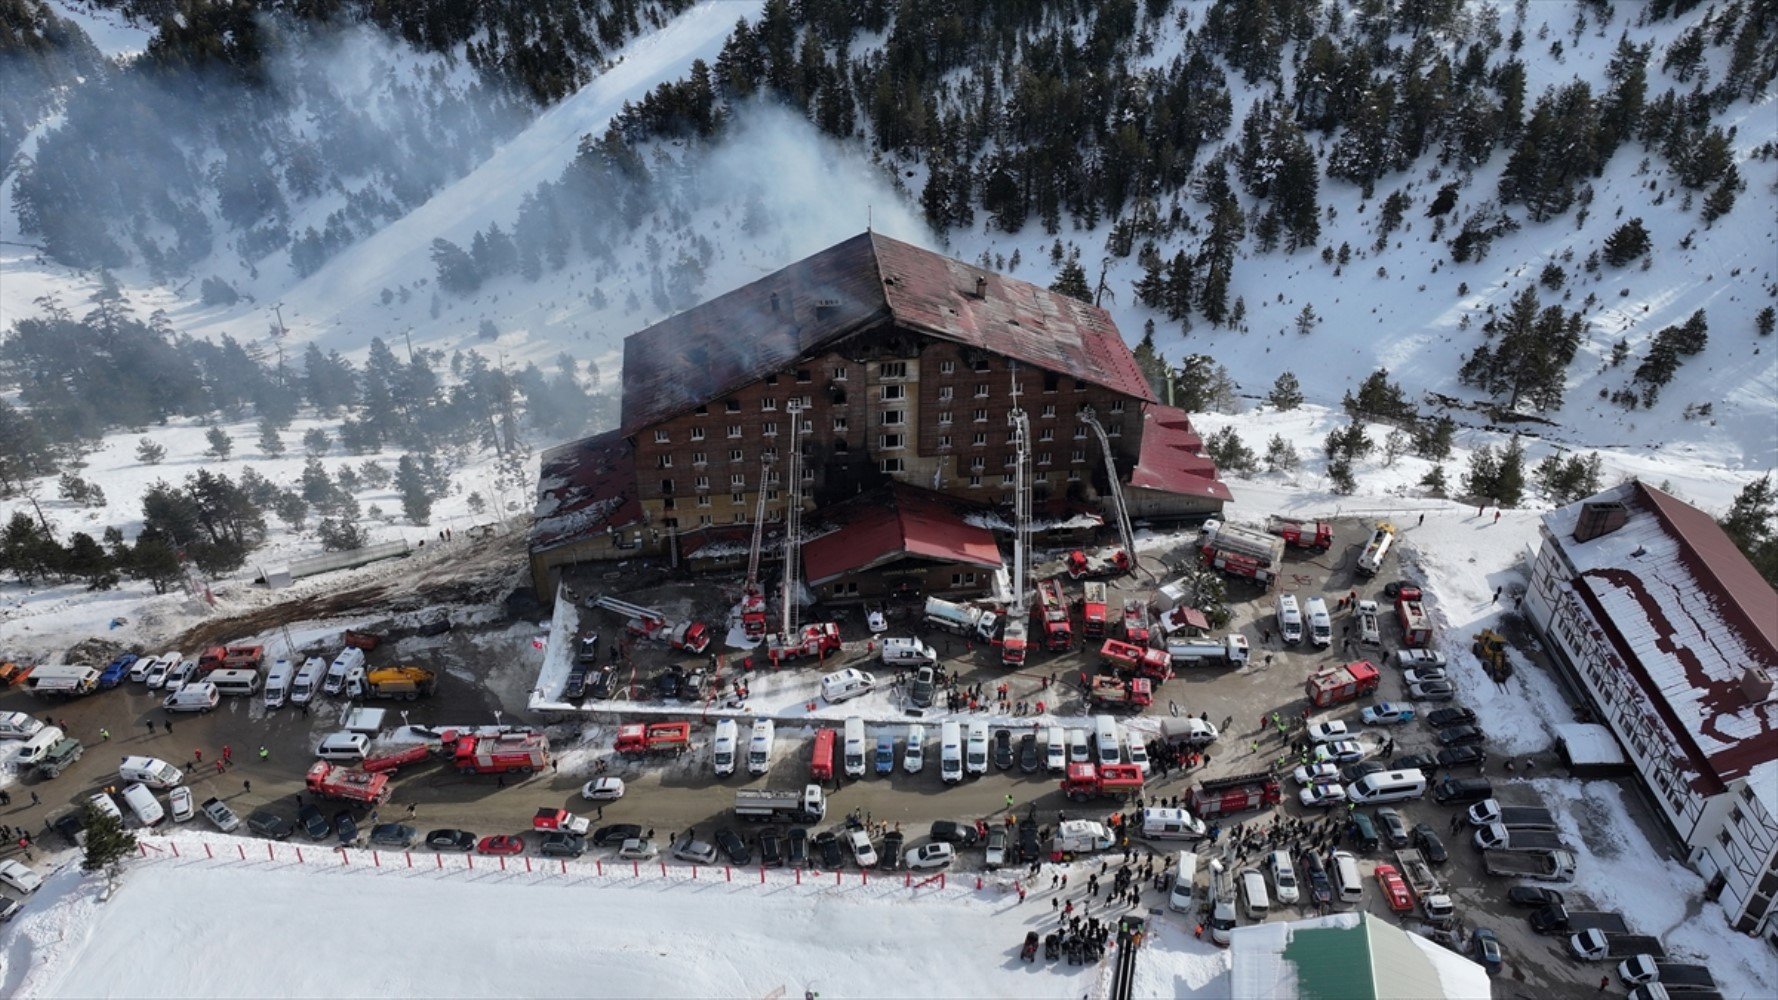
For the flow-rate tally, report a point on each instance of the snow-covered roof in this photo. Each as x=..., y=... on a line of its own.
x=1348, y=955
x=1689, y=616
x=1589, y=743
x=584, y=487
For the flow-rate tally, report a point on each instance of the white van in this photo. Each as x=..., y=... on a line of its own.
x=242, y=682
x=975, y=753
x=759, y=747
x=195, y=696
x=727, y=732
x=1256, y=902
x=1105, y=737
x=146, y=808
x=1290, y=619
x=343, y=746
x=150, y=771
x=277, y=683
x=914, y=758
x=1160, y=823
x=1056, y=749
x=1387, y=786
x=1077, y=747
x=1183, y=898
x=854, y=753
x=308, y=680
x=908, y=653
x=848, y=683
x=342, y=665
x=950, y=754
x=33, y=750
x=1348, y=887
x=1320, y=623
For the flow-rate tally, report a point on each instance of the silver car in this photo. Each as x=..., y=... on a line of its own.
x=695, y=851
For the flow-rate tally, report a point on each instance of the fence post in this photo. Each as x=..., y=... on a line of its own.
x=376, y=859
x=762, y=874
x=907, y=881
x=440, y=859
x=243, y=849
x=728, y=874
x=527, y=866
x=471, y=858
x=207, y=852
x=269, y=856
x=864, y=875
x=838, y=878
x=694, y=872
x=598, y=866
x=502, y=862
x=941, y=880
x=175, y=846
x=799, y=876
x=663, y=869
x=410, y=858
x=564, y=866
x=299, y=856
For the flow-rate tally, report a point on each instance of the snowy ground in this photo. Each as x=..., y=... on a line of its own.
x=224, y=929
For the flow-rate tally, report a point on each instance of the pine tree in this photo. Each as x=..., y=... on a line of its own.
x=315, y=442
x=410, y=482
x=90, y=562
x=1286, y=394
x=1230, y=453
x=1626, y=243
x=270, y=443
x=1483, y=477
x=1750, y=520
x=1306, y=320
x=1072, y=281
x=149, y=453
x=1379, y=398
x=1765, y=321
x=108, y=844
x=1281, y=455
x=1340, y=475
x=1722, y=199
x=339, y=535
x=457, y=270
x=1434, y=481
x=1509, y=483
x=220, y=444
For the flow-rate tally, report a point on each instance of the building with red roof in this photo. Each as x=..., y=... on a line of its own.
x=899, y=366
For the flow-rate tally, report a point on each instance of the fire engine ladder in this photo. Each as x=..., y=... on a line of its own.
x=616, y=606
x=1121, y=513
x=1021, y=538
x=759, y=529
x=793, y=523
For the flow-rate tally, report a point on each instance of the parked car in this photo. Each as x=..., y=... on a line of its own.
x=108, y=805
x=1283, y=877
x=638, y=849
x=451, y=840
x=863, y=851
x=17, y=876
x=502, y=845
x=695, y=851
x=1432, y=691
x=1029, y=849
x=1343, y=751
x=889, y=858
x=616, y=833
x=927, y=857
x=396, y=835
x=796, y=844
x=1395, y=829
x=1315, y=873
x=1487, y=949
x=1030, y=762
x=562, y=844
x=1388, y=713
x=666, y=686
x=953, y=832
x=345, y=828
x=771, y=849
x=924, y=687
x=1328, y=732
x=1429, y=844
x=1352, y=772
x=1309, y=774
x=181, y=807
x=1468, y=756
x=269, y=824
x=1323, y=795
x=604, y=683
x=1003, y=756
x=9, y=908
x=1449, y=717
x=313, y=822
x=218, y=812
x=827, y=847
x=996, y=849
x=1457, y=736
x=1533, y=897
x=603, y=790
x=1415, y=762
x=1424, y=675
x=733, y=847
x=157, y=673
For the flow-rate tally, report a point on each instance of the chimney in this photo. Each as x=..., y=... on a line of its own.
x=1756, y=685
x=774, y=303
x=981, y=287
x=1599, y=518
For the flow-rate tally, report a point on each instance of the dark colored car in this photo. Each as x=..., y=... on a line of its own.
x=953, y=832
x=562, y=844
x=616, y=834
x=269, y=824
x=923, y=689
x=604, y=683
x=70, y=825
x=1429, y=844
x=1029, y=760
x=393, y=835
x=1352, y=772
x=1458, y=736
x=889, y=857
x=771, y=849
x=575, y=688
x=797, y=844
x=1550, y=919
x=1003, y=757
x=1028, y=848
x=666, y=686
x=1487, y=949
x=313, y=823
x=116, y=671
x=1449, y=717
x=1462, y=757
x=1534, y=897
x=1393, y=588
x=451, y=840
x=828, y=847
x=733, y=847
x=1395, y=829
x=1461, y=791
x=1415, y=762
x=1320, y=889
x=345, y=827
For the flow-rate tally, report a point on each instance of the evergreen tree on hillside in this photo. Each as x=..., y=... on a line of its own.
x=1528, y=361
x=457, y=270
x=1287, y=393
x=150, y=453
x=1557, y=151
x=416, y=501
x=1072, y=281
x=1626, y=243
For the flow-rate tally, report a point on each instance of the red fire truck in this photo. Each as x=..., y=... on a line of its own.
x=523, y=752
x=1116, y=693
x=1416, y=627
x=1093, y=610
x=1051, y=612
x=821, y=759
x=1154, y=664
x=639, y=739
x=1343, y=683
x=1237, y=793
x=1087, y=781
x=347, y=784
x=1136, y=623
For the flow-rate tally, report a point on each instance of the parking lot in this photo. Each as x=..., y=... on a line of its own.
x=682, y=794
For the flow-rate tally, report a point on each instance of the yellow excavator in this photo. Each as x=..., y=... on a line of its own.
x=1490, y=648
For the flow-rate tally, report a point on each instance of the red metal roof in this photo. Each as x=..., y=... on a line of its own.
x=1172, y=458
x=739, y=336
x=894, y=522
x=583, y=487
